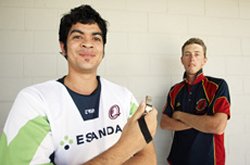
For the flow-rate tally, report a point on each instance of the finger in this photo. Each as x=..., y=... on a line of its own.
x=140, y=111
x=154, y=111
x=151, y=120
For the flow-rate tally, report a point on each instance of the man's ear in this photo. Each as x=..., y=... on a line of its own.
x=63, y=50
x=181, y=59
x=205, y=61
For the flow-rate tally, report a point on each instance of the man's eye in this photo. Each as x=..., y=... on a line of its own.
x=97, y=39
x=76, y=37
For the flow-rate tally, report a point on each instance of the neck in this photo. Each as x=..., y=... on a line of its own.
x=190, y=78
x=82, y=84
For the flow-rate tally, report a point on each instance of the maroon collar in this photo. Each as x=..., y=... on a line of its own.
x=198, y=78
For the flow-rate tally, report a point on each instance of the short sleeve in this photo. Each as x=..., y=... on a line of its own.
x=222, y=99
x=26, y=138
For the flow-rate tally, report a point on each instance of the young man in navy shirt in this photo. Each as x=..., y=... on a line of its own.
x=197, y=109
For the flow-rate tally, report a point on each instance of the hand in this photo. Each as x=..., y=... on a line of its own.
x=178, y=107
x=176, y=115
x=132, y=136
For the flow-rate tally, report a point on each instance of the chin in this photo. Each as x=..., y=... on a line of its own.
x=192, y=72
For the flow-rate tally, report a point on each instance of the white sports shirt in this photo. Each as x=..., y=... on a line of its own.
x=44, y=120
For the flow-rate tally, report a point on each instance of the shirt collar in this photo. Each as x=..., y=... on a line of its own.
x=198, y=77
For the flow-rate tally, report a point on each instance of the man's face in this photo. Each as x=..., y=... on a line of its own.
x=193, y=58
x=84, y=48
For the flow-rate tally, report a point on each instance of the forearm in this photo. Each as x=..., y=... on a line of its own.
x=116, y=155
x=147, y=156
x=173, y=124
x=205, y=123
x=121, y=154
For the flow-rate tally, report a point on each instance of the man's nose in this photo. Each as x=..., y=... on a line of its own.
x=87, y=43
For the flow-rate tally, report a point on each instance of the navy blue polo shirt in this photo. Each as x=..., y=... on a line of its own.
x=206, y=95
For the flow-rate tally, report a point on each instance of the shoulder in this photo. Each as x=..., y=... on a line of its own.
x=106, y=84
x=113, y=91
x=177, y=87
x=217, y=86
x=43, y=88
x=216, y=80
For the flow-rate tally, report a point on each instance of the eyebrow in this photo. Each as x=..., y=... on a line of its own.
x=81, y=32
x=197, y=51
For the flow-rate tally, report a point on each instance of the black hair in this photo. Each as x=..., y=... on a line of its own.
x=84, y=14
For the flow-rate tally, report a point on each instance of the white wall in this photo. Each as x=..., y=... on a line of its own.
x=142, y=53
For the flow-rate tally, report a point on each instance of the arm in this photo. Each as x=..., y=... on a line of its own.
x=26, y=137
x=169, y=123
x=215, y=124
x=121, y=154
x=131, y=147
x=147, y=156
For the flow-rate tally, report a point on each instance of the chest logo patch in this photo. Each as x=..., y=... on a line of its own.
x=66, y=142
x=201, y=106
x=114, y=112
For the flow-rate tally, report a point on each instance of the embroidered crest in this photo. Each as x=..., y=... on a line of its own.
x=114, y=112
x=201, y=106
